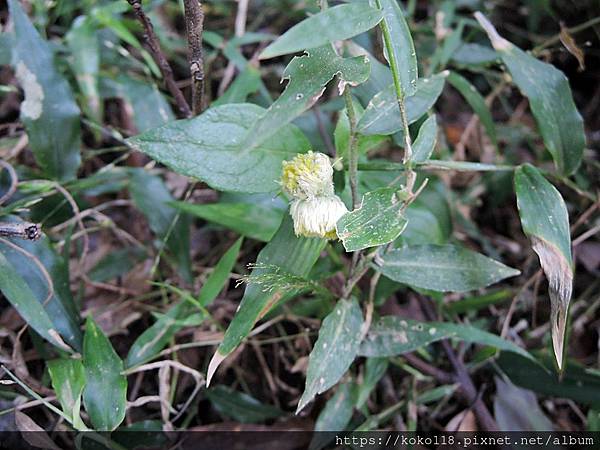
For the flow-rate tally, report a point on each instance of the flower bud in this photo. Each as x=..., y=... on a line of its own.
x=308, y=175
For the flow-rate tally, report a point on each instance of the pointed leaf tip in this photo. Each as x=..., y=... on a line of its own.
x=214, y=364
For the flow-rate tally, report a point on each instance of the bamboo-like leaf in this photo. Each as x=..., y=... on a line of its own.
x=248, y=219
x=392, y=335
x=426, y=139
x=477, y=102
x=68, y=380
x=404, y=56
x=105, y=392
x=334, y=351
x=444, y=268
x=377, y=221
x=545, y=221
x=49, y=111
x=151, y=196
x=20, y=296
x=334, y=24
x=220, y=274
x=286, y=251
x=308, y=76
x=382, y=115
x=335, y=416
x=550, y=98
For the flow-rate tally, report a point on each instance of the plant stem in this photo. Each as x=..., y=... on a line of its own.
x=194, y=24
x=352, y=148
x=160, y=58
x=387, y=39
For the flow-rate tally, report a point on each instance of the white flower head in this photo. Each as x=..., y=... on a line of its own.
x=308, y=175
x=316, y=217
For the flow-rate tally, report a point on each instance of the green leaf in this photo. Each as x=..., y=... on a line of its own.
x=477, y=102
x=155, y=338
x=208, y=148
x=60, y=307
x=342, y=135
x=152, y=198
x=49, y=111
x=550, y=99
x=246, y=83
x=379, y=220
x=392, y=335
x=20, y=296
x=6, y=48
x=105, y=392
x=334, y=351
x=150, y=108
x=545, y=221
x=117, y=263
x=576, y=382
x=248, y=219
x=289, y=253
x=403, y=57
x=220, y=274
x=469, y=54
x=68, y=380
x=84, y=43
x=427, y=138
x=382, y=115
x=335, y=416
x=375, y=369
x=443, y=268
x=241, y=407
x=517, y=409
x=334, y=24
x=308, y=76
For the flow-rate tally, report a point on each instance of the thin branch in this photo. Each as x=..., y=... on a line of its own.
x=194, y=25
x=352, y=148
x=467, y=387
x=160, y=58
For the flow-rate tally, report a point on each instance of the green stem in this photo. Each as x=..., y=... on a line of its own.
x=352, y=148
x=387, y=39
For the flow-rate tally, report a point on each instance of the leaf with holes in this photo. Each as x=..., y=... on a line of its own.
x=334, y=351
x=308, y=75
x=334, y=24
x=443, y=268
x=379, y=220
x=545, y=221
x=550, y=99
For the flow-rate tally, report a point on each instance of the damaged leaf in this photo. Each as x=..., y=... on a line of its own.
x=334, y=351
x=308, y=75
x=392, y=335
x=49, y=111
x=550, y=99
x=334, y=24
x=545, y=221
x=377, y=221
